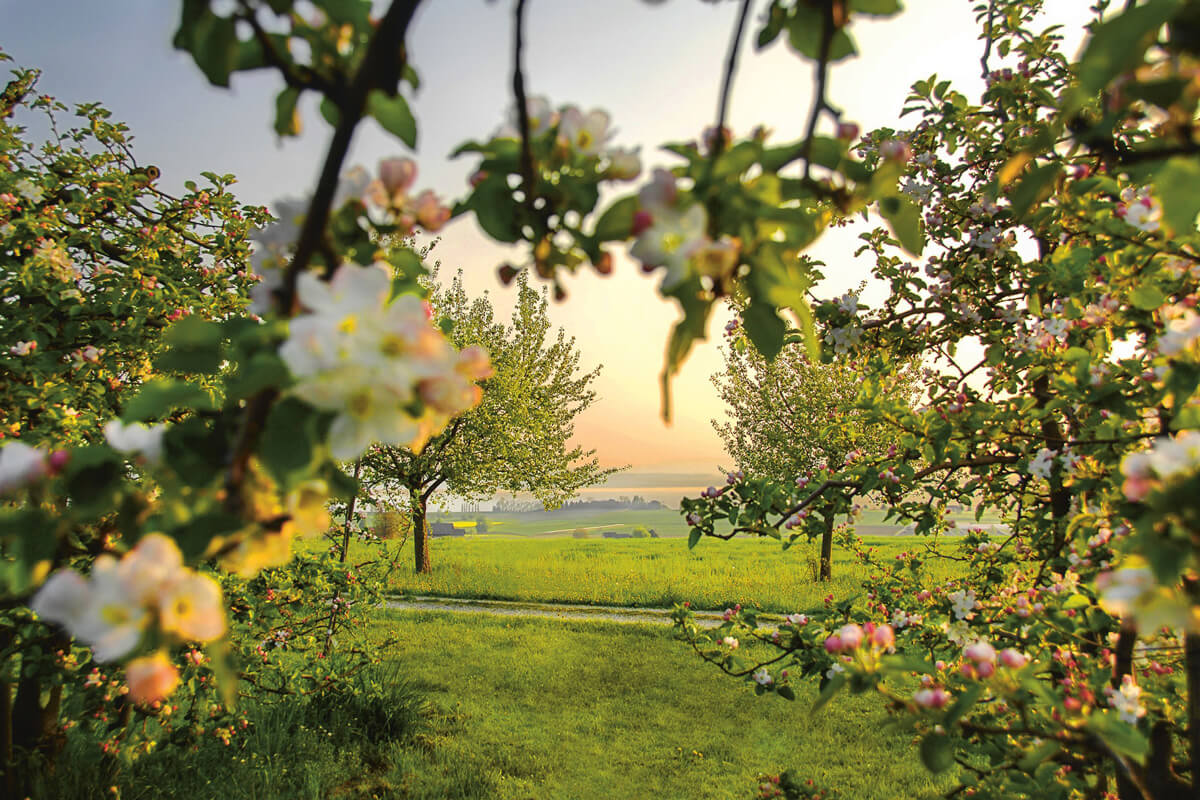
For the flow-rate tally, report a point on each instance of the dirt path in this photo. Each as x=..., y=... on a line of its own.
x=563, y=611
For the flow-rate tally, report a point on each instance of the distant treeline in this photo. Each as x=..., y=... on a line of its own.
x=635, y=503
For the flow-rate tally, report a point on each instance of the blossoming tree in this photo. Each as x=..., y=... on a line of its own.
x=517, y=437
x=791, y=418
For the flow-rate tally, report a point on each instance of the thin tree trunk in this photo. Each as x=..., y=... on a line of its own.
x=420, y=531
x=827, y=548
x=6, y=742
x=1192, y=650
x=342, y=558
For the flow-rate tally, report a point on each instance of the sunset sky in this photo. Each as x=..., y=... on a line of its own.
x=655, y=67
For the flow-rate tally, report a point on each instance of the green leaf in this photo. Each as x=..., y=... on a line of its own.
x=876, y=8
x=1122, y=737
x=195, y=535
x=495, y=210
x=355, y=12
x=963, y=704
x=616, y=223
x=765, y=329
x=288, y=444
x=1175, y=185
x=828, y=690
x=1077, y=601
x=193, y=345
x=287, y=118
x=1147, y=297
x=160, y=396
x=805, y=30
x=262, y=370
x=694, y=538
x=904, y=218
x=1119, y=44
x=214, y=46
x=786, y=693
x=394, y=115
x=329, y=111
x=1035, y=187
x=1039, y=754
x=93, y=478
x=937, y=752
x=687, y=331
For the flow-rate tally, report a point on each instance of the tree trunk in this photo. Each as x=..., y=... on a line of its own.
x=420, y=527
x=827, y=548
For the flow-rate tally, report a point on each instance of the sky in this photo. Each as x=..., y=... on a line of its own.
x=656, y=67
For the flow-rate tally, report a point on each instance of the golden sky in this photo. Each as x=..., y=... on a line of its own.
x=655, y=67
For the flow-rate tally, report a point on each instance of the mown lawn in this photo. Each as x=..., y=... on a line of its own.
x=535, y=708
x=643, y=572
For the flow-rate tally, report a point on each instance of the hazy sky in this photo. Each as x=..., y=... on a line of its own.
x=655, y=67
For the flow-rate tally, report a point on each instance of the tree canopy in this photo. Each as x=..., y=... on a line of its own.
x=517, y=439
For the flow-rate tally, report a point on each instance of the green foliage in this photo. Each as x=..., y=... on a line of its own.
x=516, y=439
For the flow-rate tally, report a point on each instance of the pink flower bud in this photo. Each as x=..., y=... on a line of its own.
x=642, y=219
x=980, y=653
x=151, y=678
x=883, y=637
x=847, y=131
x=430, y=212
x=833, y=644
x=397, y=175
x=985, y=669
x=851, y=635
x=58, y=460
x=934, y=697
x=896, y=150
x=1013, y=659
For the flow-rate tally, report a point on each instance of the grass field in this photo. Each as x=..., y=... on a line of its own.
x=488, y=708
x=641, y=572
x=547, y=709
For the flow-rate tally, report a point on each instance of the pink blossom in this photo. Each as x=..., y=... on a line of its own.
x=1013, y=659
x=851, y=636
x=935, y=697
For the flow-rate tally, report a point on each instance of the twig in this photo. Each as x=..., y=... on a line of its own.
x=518, y=83
x=820, y=102
x=735, y=44
x=378, y=66
x=987, y=33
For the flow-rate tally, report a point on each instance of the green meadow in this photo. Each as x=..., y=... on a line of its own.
x=473, y=705
x=480, y=707
x=715, y=574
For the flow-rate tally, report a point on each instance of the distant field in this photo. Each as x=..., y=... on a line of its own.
x=666, y=522
x=641, y=572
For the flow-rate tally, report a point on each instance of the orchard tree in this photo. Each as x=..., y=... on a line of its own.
x=790, y=418
x=96, y=261
x=517, y=439
x=1057, y=297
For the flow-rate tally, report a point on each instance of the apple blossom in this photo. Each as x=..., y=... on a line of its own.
x=20, y=465
x=151, y=678
x=1127, y=700
x=136, y=437
x=586, y=133
x=762, y=677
